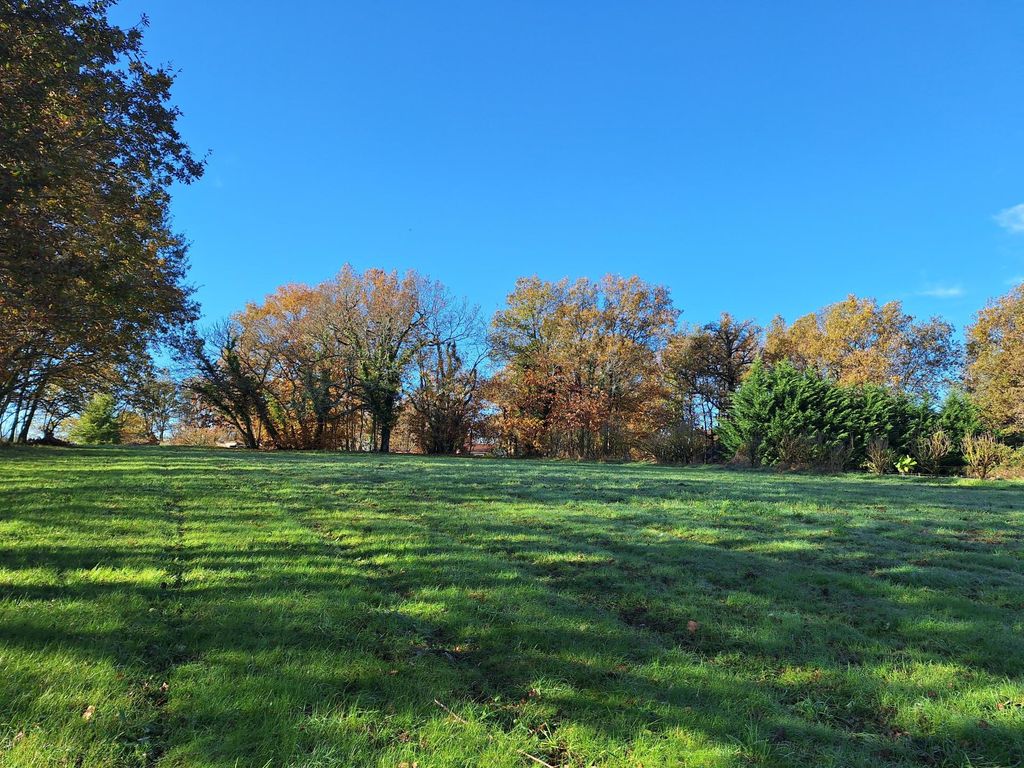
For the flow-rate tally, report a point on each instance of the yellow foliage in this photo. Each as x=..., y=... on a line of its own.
x=858, y=341
x=995, y=370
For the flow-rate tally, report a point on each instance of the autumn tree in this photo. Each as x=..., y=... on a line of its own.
x=292, y=343
x=385, y=322
x=995, y=363
x=222, y=381
x=446, y=401
x=704, y=366
x=156, y=398
x=619, y=326
x=446, y=398
x=302, y=368
x=858, y=341
x=578, y=364
x=524, y=339
x=90, y=269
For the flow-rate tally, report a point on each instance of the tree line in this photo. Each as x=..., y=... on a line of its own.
x=336, y=365
x=93, y=283
x=599, y=369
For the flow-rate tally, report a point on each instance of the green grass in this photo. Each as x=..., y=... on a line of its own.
x=244, y=609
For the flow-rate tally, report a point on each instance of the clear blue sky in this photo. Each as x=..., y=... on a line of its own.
x=757, y=157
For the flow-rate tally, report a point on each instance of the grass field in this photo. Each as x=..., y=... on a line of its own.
x=180, y=607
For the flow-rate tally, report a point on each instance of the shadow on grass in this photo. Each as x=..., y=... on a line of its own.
x=546, y=596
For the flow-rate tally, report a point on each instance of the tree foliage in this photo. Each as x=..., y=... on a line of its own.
x=580, y=375
x=330, y=365
x=703, y=367
x=446, y=404
x=995, y=368
x=99, y=423
x=782, y=415
x=385, y=325
x=858, y=341
x=155, y=397
x=90, y=269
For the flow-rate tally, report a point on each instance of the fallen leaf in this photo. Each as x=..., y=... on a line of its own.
x=89, y=712
x=692, y=626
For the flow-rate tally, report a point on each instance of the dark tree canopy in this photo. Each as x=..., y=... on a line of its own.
x=705, y=365
x=91, y=271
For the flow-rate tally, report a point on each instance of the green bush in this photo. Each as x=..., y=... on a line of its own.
x=99, y=423
x=905, y=464
x=783, y=416
x=958, y=417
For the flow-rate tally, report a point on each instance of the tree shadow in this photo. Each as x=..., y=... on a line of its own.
x=551, y=599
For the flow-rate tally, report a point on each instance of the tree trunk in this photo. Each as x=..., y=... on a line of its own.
x=30, y=412
x=23, y=437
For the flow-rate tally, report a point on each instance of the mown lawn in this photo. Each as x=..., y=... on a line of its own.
x=179, y=607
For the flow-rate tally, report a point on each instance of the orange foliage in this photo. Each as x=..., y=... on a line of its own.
x=580, y=364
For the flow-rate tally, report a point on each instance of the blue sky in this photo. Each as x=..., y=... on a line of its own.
x=756, y=157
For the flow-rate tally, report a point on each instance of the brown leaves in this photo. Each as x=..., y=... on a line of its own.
x=580, y=363
x=709, y=363
x=1002, y=706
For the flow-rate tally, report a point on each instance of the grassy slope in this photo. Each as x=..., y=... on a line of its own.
x=308, y=610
